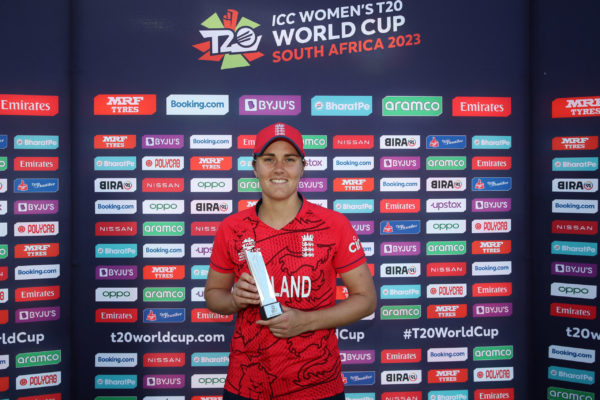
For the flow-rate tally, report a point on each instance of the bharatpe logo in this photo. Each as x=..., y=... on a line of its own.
x=573, y=375
x=230, y=40
x=342, y=106
x=412, y=106
x=575, y=164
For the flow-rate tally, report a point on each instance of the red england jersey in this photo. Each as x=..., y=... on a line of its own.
x=302, y=259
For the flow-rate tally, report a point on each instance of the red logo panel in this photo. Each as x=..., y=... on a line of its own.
x=117, y=315
x=576, y=107
x=35, y=163
x=447, y=269
x=481, y=106
x=400, y=205
x=163, y=185
x=353, y=142
x=125, y=228
x=575, y=227
x=575, y=143
x=21, y=104
x=152, y=360
x=401, y=356
x=436, y=311
x=114, y=142
x=572, y=311
x=125, y=104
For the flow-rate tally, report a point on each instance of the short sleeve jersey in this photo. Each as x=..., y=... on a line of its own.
x=303, y=259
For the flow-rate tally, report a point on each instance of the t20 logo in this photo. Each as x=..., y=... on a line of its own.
x=231, y=41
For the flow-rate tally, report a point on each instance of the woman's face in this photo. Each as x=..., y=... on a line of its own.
x=279, y=170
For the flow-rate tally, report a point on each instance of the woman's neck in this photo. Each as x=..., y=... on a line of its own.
x=278, y=214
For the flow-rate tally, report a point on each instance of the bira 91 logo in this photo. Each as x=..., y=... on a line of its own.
x=125, y=104
x=230, y=40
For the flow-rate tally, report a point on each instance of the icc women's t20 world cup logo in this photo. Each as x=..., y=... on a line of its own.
x=230, y=40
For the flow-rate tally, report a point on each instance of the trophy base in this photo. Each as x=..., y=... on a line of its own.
x=271, y=310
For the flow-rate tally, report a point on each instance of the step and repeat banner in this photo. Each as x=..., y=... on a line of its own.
x=566, y=100
x=415, y=122
x=35, y=231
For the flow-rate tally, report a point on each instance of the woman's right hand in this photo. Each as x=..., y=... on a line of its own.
x=244, y=292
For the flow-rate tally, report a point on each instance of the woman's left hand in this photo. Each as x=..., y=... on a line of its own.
x=289, y=324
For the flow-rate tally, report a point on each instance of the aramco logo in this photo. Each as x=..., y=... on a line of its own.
x=230, y=40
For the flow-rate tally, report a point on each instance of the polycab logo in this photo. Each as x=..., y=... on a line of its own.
x=438, y=311
x=48, y=228
x=576, y=107
x=491, y=163
x=125, y=104
x=230, y=40
x=497, y=374
x=114, y=142
x=491, y=226
x=20, y=104
x=436, y=291
x=163, y=185
x=35, y=163
x=573, y=311
x=447, y=375
x=211, y=163
x=447, y=269
x=492, y=289
x=158, y=163
x=575, y=227
x=353, y=184
x=575, y=143
x=481, y=106
x=400, y=356
x=116, y=228
x=400, y=205
x=491, y=247
x=347, y=142
x=117, y=315
x=45, y=379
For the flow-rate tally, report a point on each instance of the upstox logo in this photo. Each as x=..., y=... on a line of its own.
x=230, y=40
x=412, y=106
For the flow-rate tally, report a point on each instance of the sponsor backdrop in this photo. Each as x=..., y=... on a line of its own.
x=415, y=116
x=35, y=238
x=566, y=132
x=417, y=127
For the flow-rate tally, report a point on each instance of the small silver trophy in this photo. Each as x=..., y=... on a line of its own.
x=270, y=307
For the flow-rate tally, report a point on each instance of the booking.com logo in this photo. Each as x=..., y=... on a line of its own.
x=231, y=41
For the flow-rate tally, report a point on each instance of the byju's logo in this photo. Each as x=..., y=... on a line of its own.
x=229, y=40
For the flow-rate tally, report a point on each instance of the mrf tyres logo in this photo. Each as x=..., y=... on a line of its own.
x=230, y=40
